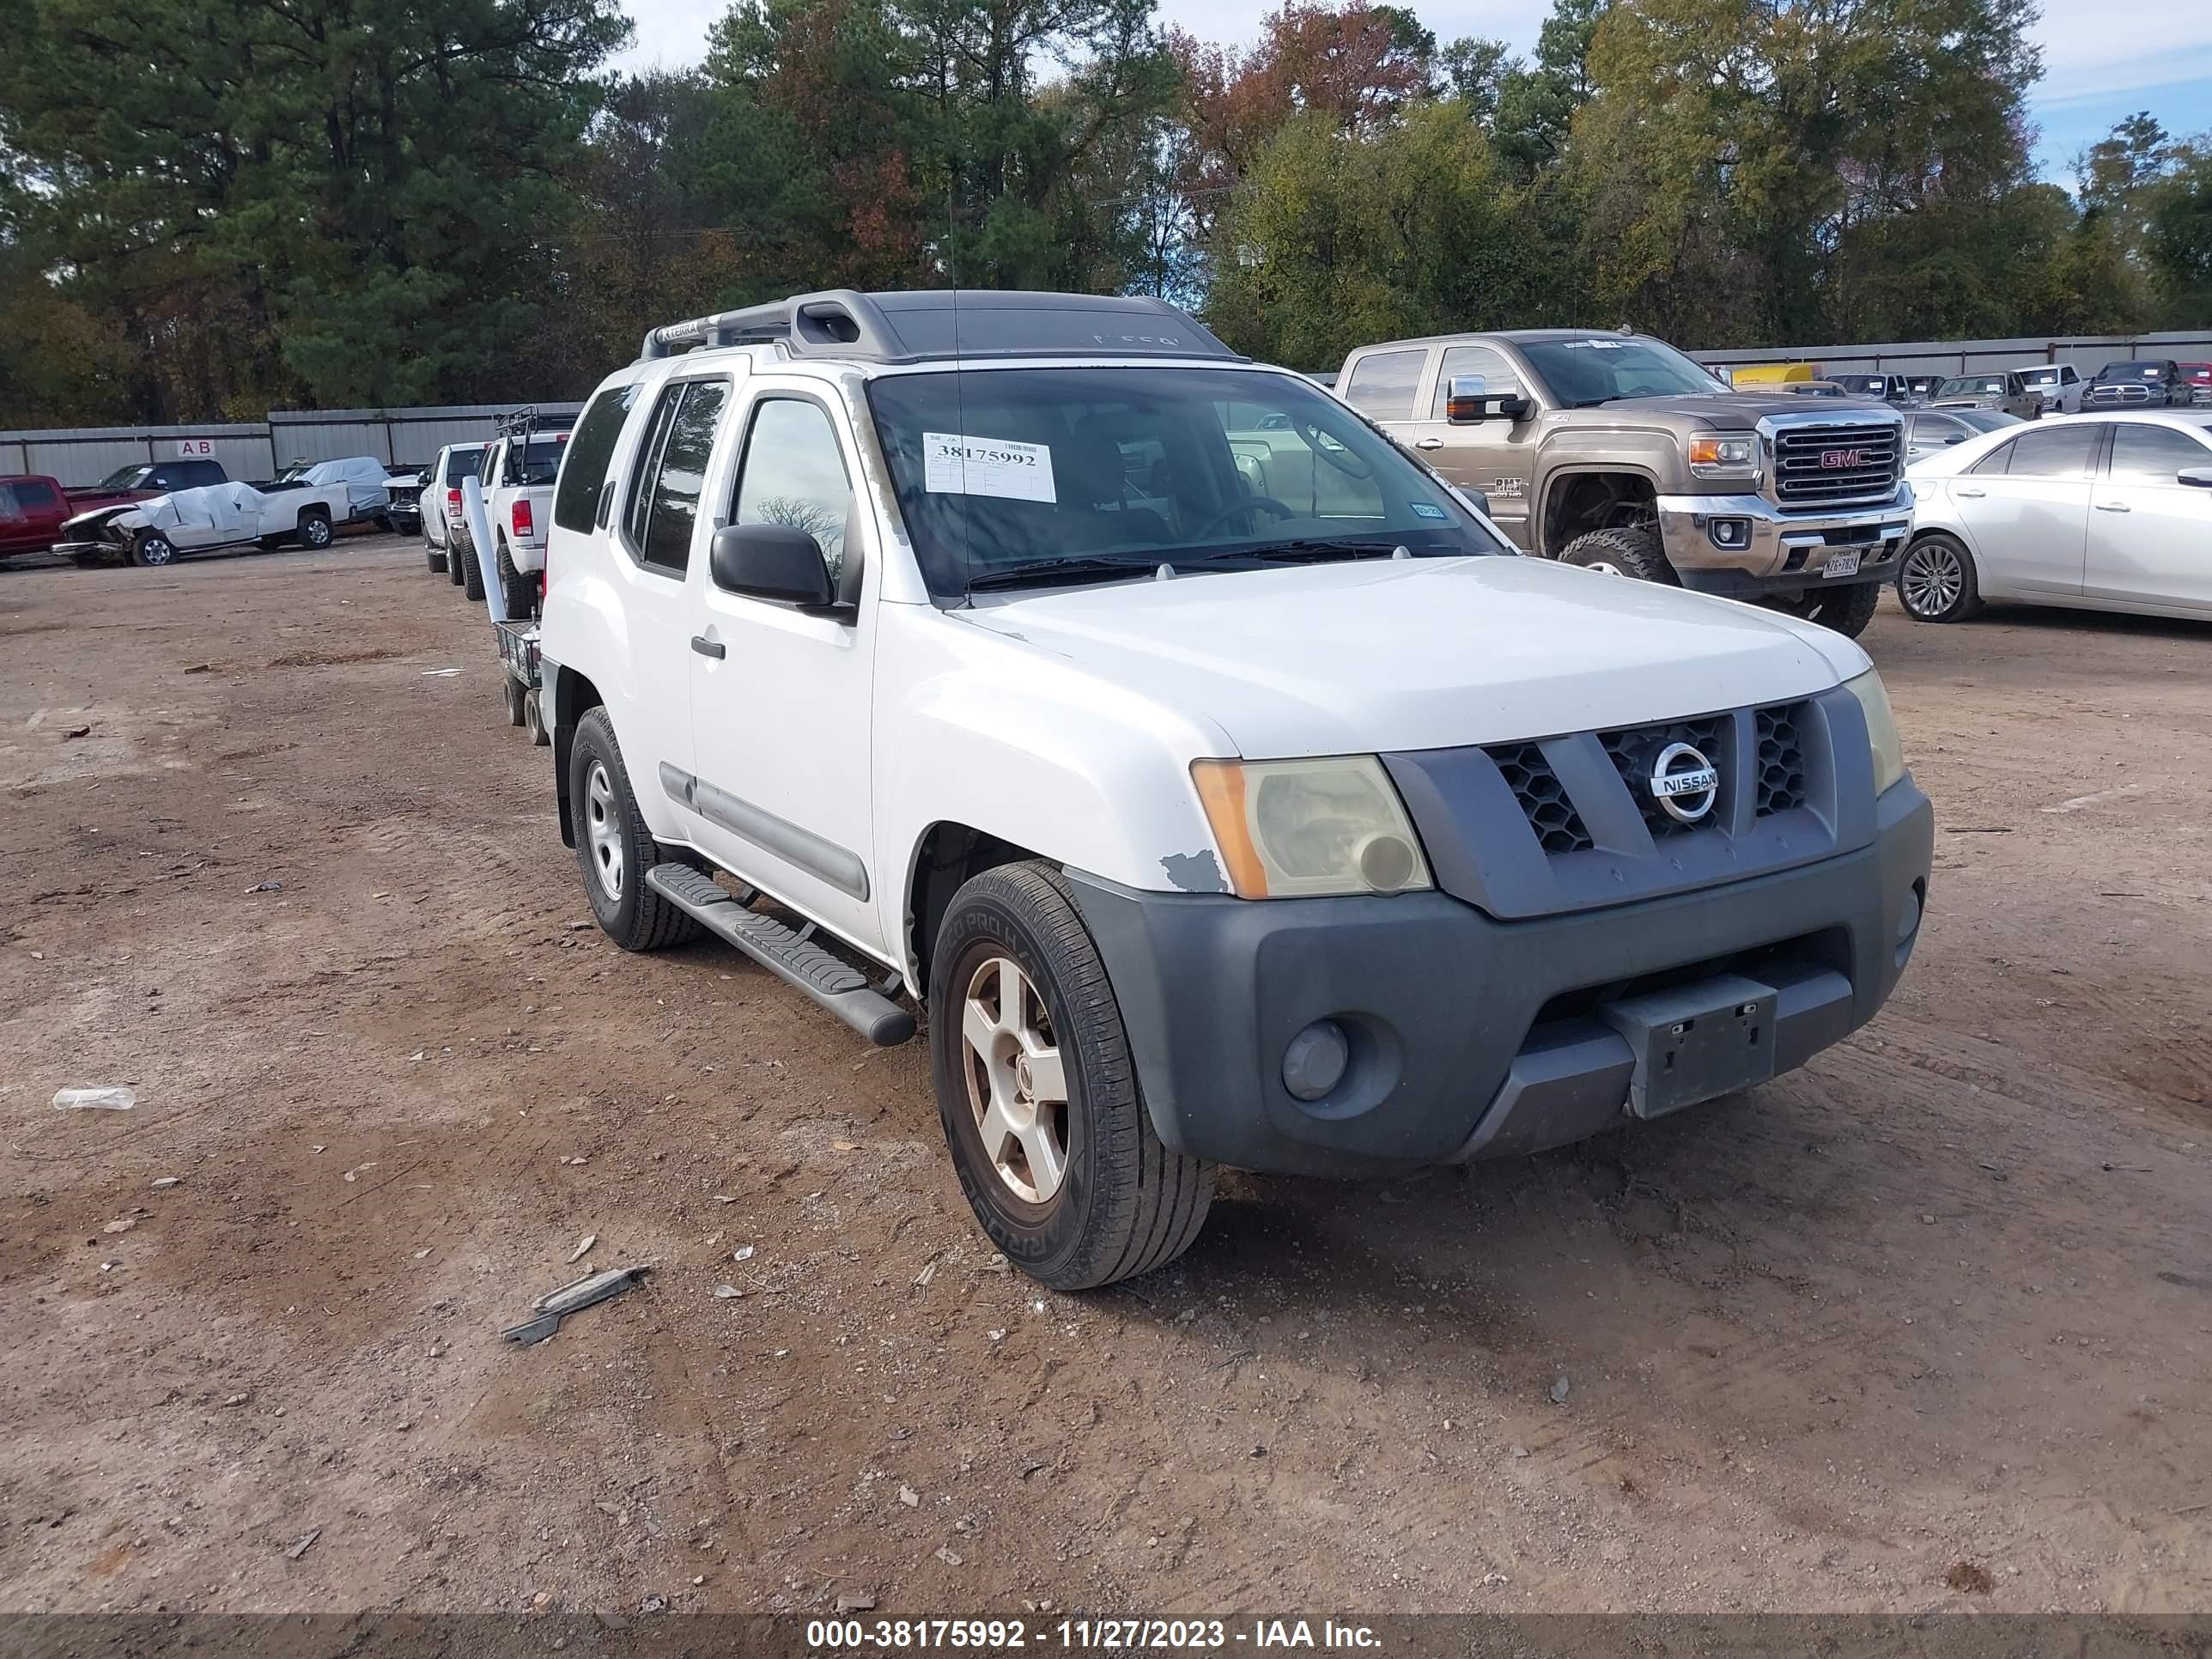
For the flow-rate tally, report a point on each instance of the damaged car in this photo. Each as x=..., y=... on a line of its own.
x=308, y=506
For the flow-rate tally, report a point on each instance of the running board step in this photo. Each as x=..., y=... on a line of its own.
x=837, y=986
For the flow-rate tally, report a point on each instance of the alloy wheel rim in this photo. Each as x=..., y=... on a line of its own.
x=1933, y=581
x=318, y=532
x=604, y=831
x=159, y=551
x=1605, y=567
x=1016, y=1081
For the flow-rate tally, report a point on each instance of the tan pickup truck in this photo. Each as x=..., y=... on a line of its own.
x=1617, y=453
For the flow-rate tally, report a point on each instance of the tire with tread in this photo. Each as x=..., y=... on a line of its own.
x=518, y=592
x=456, y=564
x=314, y=532
x=1626, y=549
x=152, y=549
x=472, y=578
x=1844, y=611
x=1939, y=545
x=641, y=919
x=1127, y=1205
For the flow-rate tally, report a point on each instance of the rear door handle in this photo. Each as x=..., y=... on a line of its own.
x=707, y=648
x=2114, y=506
x=1429, y=443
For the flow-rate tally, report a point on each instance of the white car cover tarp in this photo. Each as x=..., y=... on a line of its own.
x=363, y=479
x=212, y=512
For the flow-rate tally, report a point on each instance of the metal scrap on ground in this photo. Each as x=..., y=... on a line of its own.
x=555, y=1305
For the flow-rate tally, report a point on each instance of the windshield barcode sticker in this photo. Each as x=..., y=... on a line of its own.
x=954, y=464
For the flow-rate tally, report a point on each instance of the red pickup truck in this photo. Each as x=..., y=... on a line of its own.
x=141, y=480
x=30, y=514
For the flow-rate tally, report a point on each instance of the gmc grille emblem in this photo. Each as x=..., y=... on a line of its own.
x=1831, y=460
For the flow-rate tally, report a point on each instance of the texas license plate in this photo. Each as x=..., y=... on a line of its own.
x=1843, y=561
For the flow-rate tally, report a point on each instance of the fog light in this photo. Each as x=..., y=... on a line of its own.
x=1729, y=532
x=1908, y=922
x=1314, y=1062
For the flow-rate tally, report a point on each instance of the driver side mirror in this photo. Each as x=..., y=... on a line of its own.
x=772, y=562
x=2200, y=476
x=1468, y=400
x=1956, y=438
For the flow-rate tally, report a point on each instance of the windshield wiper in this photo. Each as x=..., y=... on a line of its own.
x=1304, y=551
x=1040, y=573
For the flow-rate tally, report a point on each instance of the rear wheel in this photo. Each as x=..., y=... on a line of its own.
x=1936, y=581
x=1038, y=1093
x=1845, y=609
x=1622, y=551
x=314, y=532
x=615, y=847
x=518, y=592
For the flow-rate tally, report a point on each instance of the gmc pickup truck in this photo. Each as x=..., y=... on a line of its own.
x=938, y=652
x=1617, y=453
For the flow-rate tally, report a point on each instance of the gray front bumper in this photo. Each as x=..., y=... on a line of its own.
x=1473, y=1037
x=1786, y=551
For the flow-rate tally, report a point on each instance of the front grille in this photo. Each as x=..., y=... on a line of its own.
x=1558, y=827
x=1781, y=760
x=1632, y=751
x=1821, y=465
x=2119, y=394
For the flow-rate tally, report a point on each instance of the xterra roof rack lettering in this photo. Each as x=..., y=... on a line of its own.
x=1198, y=774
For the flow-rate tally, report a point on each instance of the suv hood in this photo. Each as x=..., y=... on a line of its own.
x=1424, y=654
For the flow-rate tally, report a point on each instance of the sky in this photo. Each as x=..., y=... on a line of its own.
x=2102, y=59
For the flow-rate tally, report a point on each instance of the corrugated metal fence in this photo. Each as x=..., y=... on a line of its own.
x=400, y=436
x=84, y=455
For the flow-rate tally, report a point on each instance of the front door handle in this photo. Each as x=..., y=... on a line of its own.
x=707, y=648
x=1429, y=443
x=1976, y=494
x=2114, y=506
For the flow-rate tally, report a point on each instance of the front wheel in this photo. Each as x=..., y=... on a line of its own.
x=1623, y=550
x=1038, y=1092
x=1936, y=581
x=615, y=846
x=472, y=575
x=1846, y=610
x=153, y=548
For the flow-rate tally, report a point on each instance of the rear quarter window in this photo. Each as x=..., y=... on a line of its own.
x=1382, y=383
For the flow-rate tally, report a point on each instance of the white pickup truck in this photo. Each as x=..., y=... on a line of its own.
x=519, y=467
x=309, y=505
x=939, y=652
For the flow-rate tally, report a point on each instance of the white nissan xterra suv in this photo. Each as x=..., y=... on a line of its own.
x=1216, y=786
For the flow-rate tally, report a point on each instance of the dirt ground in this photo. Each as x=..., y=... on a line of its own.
x=1927, y=1325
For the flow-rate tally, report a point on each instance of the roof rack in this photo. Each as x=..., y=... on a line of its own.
x=525, y=422
x=909, y=326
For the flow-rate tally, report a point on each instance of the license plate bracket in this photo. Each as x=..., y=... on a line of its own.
x=1842, y=562
x=1695, y=1042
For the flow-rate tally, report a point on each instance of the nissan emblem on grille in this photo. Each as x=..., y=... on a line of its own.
x=1831, y=459
x=1684, y=782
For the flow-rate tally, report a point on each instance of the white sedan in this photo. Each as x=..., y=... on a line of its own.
x=2104, y=511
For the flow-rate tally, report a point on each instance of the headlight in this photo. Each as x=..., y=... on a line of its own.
x=1724, y=458
x=1881, y=729
x=1305, y=827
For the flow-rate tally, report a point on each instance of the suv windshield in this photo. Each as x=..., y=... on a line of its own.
x=125, y=477
x=1601, y=369
x=1003, y=474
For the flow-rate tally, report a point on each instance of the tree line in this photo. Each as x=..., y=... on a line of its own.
x=218, y=206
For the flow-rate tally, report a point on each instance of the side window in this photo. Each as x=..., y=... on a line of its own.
x=638, y=507
x=795, y=475
x=1382, y=383
x=1930, y=430
x=665, y=507
x=2060, y=452
x=1993, y=464
x=1497, y=376
x=2143, y=454
x=31, y=495
x=584, y=469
